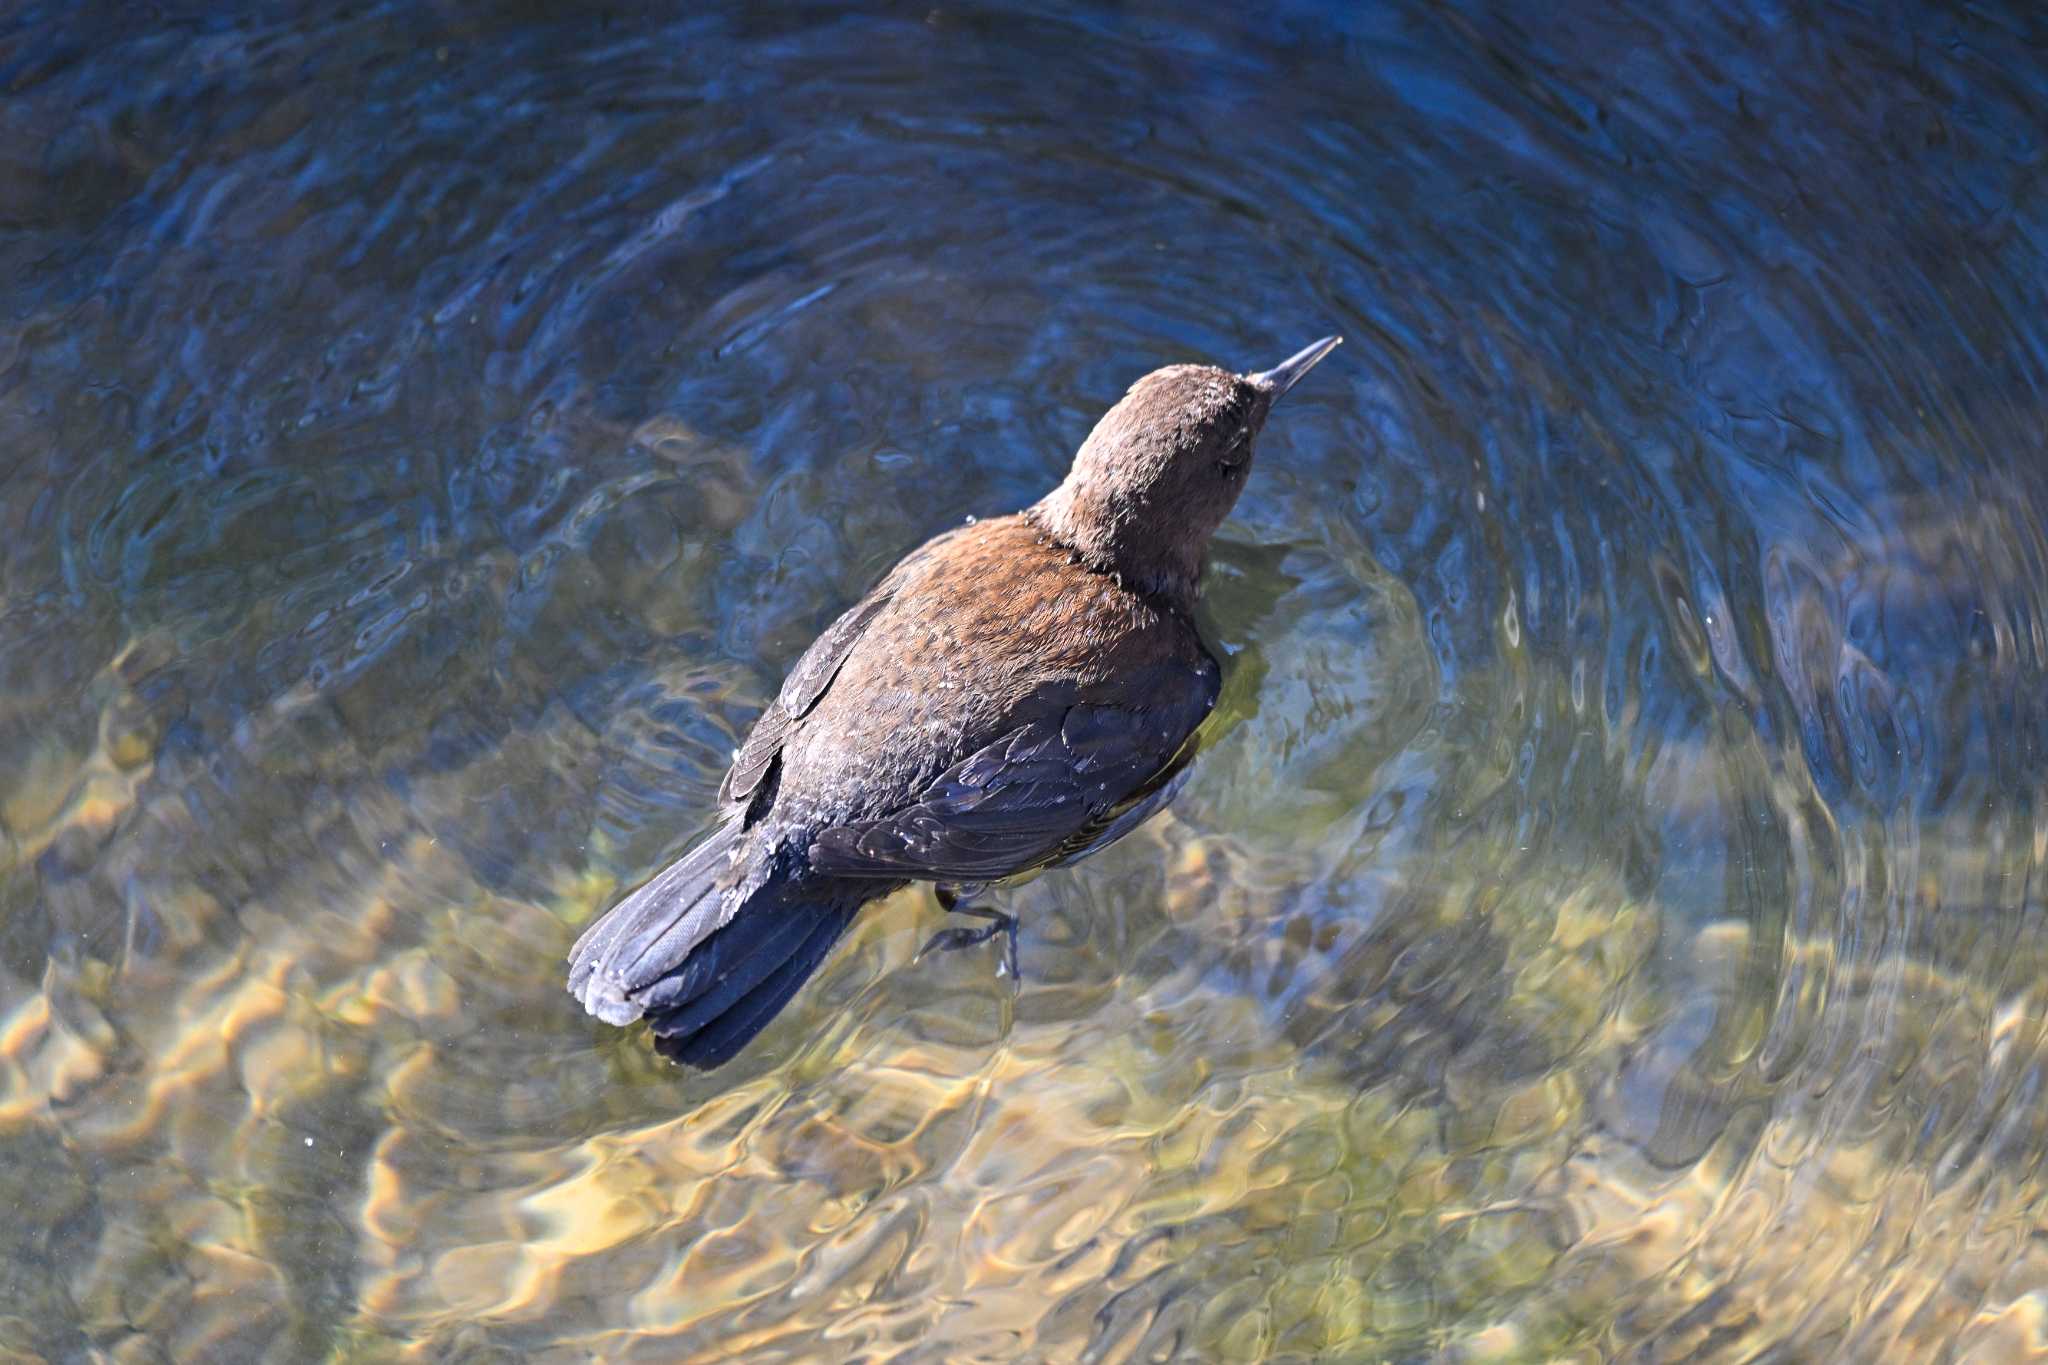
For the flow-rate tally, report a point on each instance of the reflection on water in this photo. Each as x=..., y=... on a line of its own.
x=1609, y=922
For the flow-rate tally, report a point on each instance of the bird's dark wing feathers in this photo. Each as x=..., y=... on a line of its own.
x=1043, y=793
x=800, y=692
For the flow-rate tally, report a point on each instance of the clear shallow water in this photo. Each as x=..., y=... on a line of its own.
x=1607, y=924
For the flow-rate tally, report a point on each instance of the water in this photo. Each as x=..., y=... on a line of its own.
x=1608, y=922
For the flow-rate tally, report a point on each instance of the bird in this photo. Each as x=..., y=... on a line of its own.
x=1015, y=694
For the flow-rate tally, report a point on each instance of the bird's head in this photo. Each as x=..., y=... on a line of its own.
x=1163, y=468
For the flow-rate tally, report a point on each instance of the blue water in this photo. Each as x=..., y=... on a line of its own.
x=1608, y=921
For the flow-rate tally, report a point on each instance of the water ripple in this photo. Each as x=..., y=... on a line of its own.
x=1606, y=921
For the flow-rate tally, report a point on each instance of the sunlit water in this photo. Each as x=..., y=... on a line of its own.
x=1607, y=923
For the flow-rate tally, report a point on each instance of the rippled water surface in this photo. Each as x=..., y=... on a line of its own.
x=1608, y=922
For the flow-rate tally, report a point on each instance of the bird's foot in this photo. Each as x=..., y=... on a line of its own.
x=946, y=940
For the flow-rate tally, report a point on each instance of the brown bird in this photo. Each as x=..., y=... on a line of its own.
x=1015, y=694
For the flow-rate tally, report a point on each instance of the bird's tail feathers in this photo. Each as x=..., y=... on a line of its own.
x=651, y=933
x=706, y=954
x=772, y=951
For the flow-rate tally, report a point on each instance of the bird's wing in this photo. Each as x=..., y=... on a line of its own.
x=1048, y=791
x=813, y=674
x=800, y=692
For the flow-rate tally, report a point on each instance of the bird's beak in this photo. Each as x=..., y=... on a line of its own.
x=1288, y=372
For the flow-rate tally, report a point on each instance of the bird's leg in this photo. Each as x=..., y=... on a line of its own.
x=998, y=923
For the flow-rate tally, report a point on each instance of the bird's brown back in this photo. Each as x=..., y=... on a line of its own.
x=986, y=628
